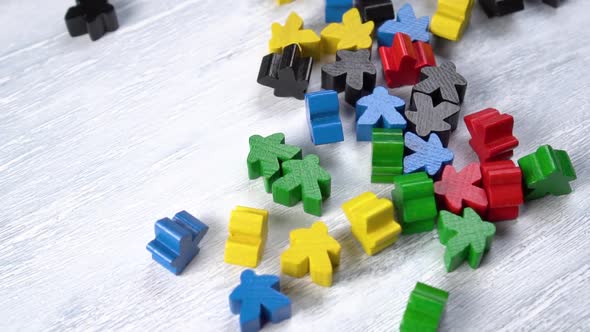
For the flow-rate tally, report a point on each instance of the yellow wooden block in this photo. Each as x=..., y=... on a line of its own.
x=292, y=33
x=451, y=18
x=248, y=228
x=372, y=222
x=351, y=34
x=282, y=2
x=312, y=250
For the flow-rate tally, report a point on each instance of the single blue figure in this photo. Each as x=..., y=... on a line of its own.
x=336, y=8
x=258, y=299
x=323, y=117
x=406, y=22
x=429, y=157
x=378, y=110
x=177, y=241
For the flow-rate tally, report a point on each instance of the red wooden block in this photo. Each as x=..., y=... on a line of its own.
x=502, y=181
x=491, y=134
x=456, y=191
x=403, y=60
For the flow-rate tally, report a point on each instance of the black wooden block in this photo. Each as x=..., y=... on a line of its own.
x=353, y=72
x=287, y=73
x=94, y=17
x=442, y=83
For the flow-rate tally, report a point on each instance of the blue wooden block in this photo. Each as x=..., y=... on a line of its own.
x=258, y=299
x=406, y=22
x=177, y=241
x=429, y=157
x=336, y=8
x=378, y=110
x=323, y=117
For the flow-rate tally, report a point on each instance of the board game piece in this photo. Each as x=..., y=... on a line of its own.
x=351, y=34
x=501, y=7
x=424, y=119
x=336, y=8
x=282, y=2
x=388, y=154
x=491, y=134
x=403, y=61
x=546, y=172
x=266, y=155
x=248, y=229
x=429, y=156
x=502, y=181
x=353, y=72
x=377, y=11
x=258, y=299
x=177, y=241
x=287, y=73
x=312, y=251
x=372, y=223
x=451, y=18
x=323, y=117
x=456, y=191
x=442, y=83
x=466, y=238
x=303, y=180
x=424, y=310
x=552, y=3
x=92, y=17
x=413, y=196
x=378, y=110
x=406, y=22
x=293, y=33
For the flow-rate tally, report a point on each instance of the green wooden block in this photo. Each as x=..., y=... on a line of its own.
x=303, y=180
x=266, y=154
x=546, y=171
x=425, y=309
x=413, y=196
x=388, y=154
x=465, y=238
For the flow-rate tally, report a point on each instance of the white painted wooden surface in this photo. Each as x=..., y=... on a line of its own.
x=99, y=140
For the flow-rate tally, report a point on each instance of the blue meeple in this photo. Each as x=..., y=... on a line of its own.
x=406, y=22
x=429, y=156
x=378, y=110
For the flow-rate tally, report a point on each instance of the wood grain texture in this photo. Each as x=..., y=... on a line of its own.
x=99, y=140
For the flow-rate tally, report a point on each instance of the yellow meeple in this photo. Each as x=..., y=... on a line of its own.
x=352, y=34
x=248, y=229
x=451, y=18
x=293, y=33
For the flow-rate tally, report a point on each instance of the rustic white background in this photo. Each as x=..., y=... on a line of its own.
x=99, y=140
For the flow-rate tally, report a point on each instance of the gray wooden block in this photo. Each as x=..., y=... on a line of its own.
x=424, y=118
x=442, y=83
x=353, y=72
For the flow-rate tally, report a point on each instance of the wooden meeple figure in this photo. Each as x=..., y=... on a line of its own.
x=94, y=17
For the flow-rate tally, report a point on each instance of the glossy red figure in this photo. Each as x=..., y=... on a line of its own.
x=491, y=134
x=502, y=182
x=403, y=60
x=456, y=191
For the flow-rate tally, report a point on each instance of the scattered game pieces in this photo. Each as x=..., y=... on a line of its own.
x=546, y=171
x=258, y=299
x=429, y=156
x=466, y=238
x=388, y=154
x=248, y=229
x=413, y=195
x=458, y=190
x=312, y=250
x=425, y=309
x=351, y=34
x=292, y=33
x=323, y=117
x=425, y=119
x=501, y=7
x=303, y=180
x=336, y=8
x=491, y=134
x=377, y=11
x=266, y=154
x=406, y=22
x=287, y=73
x=372, y=222
x=451, y=18
x=92, y=17
x=442, y=83
x=177, y=241
x=403, y=61
x=378, y=110
x=502, y=181
x=353, y=72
